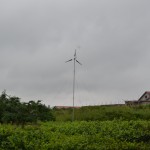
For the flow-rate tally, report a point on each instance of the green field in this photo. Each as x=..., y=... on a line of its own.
x=77, y=135
x=104, y=113
x=34, y=126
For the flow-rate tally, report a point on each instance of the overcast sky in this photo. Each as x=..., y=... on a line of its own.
x=112, y=38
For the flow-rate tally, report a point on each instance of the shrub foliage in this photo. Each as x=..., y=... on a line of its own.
x=92, y=135
x=15, y=112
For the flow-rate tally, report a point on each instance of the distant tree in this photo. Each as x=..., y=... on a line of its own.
x=15, y=112
x=3, y=102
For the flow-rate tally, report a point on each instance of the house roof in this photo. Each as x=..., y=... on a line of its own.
x=147, y=92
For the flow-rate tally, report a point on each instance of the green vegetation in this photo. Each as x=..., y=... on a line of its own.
x=93, y=135
x=104, y=113
x=14, y=112
x=94, y=128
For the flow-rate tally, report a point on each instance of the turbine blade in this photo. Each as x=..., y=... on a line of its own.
x=78, y=62
x=69, y=60
x=75, y=53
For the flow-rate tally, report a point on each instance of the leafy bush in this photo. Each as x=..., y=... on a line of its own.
x=15, y=112
x=77, y=135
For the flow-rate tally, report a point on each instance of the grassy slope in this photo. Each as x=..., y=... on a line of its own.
x=103, y=113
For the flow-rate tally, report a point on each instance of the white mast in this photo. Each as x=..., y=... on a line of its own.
x=74, y=73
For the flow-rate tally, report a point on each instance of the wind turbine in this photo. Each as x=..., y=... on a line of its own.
x=74, y=73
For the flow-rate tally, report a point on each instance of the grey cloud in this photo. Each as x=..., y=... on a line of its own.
x=37, y=37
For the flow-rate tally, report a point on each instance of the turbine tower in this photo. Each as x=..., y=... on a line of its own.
x=74, y=73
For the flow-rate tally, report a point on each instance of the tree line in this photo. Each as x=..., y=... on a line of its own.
x=15, y=112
